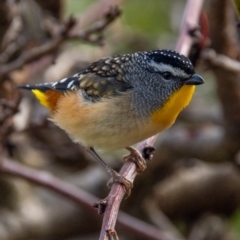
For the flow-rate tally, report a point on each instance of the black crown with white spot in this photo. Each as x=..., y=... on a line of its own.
x=171, y=57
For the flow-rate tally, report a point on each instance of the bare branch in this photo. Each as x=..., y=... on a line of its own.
x=220, y=61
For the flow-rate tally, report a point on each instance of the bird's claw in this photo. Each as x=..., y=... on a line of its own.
x=116, y=177
x=136, y=157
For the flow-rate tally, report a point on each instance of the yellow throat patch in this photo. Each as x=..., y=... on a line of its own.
x=167, y=115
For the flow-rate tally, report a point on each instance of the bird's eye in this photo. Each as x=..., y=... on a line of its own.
x=167, y=75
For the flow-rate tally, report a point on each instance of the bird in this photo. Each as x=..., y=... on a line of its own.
x=120, y=100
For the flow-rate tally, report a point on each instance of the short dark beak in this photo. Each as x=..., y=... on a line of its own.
x=194, y=80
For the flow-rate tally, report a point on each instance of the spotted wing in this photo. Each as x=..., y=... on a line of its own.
x=105, y=78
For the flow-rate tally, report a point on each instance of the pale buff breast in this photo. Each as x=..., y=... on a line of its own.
x=108, y=124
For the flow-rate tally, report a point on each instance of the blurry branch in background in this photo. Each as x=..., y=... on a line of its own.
x=190, y=22
x=94, y=13
x=39, y=51
x=215, y=60
x=80, y=197
x=8, y=108
x=92, y=34
x=223, y=26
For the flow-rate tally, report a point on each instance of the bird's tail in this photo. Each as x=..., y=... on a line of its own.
x=46, y=95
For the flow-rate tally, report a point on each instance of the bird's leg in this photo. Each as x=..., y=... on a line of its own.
x=136, y=157
x=115, y=177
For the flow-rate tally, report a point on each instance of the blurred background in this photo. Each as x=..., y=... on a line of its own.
x=190, y=190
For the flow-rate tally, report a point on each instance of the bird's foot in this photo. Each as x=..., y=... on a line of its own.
x=117, y=178
x=136, y=157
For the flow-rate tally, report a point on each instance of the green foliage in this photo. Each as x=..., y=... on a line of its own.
x=237, y=5
x=76, y=7
x=235, y=223
x=151, y=17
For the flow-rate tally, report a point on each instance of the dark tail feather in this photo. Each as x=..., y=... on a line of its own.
x=40, y=87
x=61, y=86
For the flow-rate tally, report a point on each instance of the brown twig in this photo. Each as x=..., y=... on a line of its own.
x=7, y=110
x=220, y=61
x=9, y=107
x=95, y=12
x=78, y=196
x=96, y=28
x=91, y=34
x=37, y=52
x=190, y=22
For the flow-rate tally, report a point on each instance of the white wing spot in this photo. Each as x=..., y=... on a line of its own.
x=70, y=84
x=63, y=80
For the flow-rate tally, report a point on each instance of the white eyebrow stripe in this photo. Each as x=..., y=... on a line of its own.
x=162, y=67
